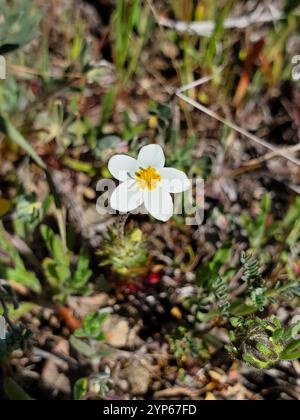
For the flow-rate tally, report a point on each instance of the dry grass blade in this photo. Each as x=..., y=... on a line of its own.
x=277, y=152
x=206, y=28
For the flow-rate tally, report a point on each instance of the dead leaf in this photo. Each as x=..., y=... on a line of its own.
x=244, y=82
x=5, y=206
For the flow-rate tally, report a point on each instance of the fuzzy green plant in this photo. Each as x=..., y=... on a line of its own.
x=263, y=342
x=127, y=255
x=185, y=346
x=253, y=278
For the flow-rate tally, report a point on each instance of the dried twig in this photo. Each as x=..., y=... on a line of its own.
x=275, y=150
x=178, y=391
x=206, y=28
x=55, y=357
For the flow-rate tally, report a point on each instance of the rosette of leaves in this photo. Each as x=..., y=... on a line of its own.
x=127, y=256
x=19, y=22
x=264, y=342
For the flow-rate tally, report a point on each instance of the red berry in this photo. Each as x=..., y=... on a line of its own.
x=154, y=278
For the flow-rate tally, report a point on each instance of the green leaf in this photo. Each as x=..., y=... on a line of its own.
x=80, y=388
x=290, y=356
x=14, y=391
x=79, y=166
x=18, y=272
x=19, y=24
x=294, y=345
x=59, y=268
x=82, y=273
x=93, y=327
x=55, y=246
x=14, y=135
x=292, y=331
x=82, y=347
x=208, y=273
x=23, y=309
x=24, y=277
x=51, y=272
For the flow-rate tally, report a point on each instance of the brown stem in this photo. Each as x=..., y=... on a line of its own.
x=121, y=226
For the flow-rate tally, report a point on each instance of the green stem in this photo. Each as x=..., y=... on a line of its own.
x=59, y=211
x=62, y=228
x=237, y=308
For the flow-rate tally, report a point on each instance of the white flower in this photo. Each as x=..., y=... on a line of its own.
x=146, y=181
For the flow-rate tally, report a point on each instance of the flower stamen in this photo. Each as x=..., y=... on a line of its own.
x=148, y=178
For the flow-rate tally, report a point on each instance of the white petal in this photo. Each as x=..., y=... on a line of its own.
x=174, y=181
x=159, y=204
x=120, y=165
x=126, y=197
x=152, y=155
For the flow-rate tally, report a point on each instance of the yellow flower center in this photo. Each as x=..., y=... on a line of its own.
x=148, y=178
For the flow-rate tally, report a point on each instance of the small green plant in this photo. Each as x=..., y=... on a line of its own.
x=254, y=280
x=222, y=295
x=28, y=208
x=126, y=256
x=259, y=229
x=93, y=327
x=29, y=213
x=65, y=277
x=264, y=342
x=205, y=56
x=19, y=24
x=131, y=27
x=61, y=125
x=12, y=265
x=212, y=287
x=186, y=346
x=216, y=279
x=209, y=272
x=95, y=387
x=89, y=340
